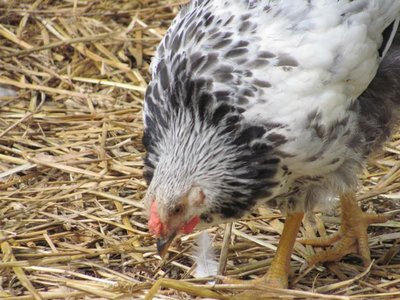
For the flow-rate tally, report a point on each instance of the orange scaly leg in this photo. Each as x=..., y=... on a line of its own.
x=352, y=236
x=277, y=275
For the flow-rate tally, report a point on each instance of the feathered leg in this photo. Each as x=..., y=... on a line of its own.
x=352, y=236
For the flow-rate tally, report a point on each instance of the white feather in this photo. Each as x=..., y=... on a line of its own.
x=391, y=38
x=7, y=92
x=206, y=261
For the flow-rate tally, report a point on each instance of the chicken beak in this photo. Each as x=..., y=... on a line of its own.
x=163, y=244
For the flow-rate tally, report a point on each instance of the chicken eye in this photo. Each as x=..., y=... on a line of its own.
x=177, y=210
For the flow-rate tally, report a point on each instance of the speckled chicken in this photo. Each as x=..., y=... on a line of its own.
x=269, y=102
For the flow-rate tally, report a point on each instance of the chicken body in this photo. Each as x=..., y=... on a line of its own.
x=266, y=102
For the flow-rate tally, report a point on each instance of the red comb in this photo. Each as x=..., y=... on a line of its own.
x=155, y=225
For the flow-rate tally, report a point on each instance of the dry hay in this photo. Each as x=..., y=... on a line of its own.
x=71, y=219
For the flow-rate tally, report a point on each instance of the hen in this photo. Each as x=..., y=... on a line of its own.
x=269, y=102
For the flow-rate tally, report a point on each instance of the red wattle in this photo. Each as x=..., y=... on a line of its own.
x=189, y=226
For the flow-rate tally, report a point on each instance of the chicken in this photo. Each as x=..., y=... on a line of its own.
x=269, y=102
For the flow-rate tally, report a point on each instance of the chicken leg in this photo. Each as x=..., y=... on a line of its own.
x=352, y=236
x=277, y=275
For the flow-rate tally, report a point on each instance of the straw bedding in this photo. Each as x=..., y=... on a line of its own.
x=71, y=220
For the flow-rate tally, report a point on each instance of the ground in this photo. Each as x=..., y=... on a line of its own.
x=71, y=218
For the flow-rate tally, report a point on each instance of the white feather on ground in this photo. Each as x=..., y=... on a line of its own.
x=7, y=92
x=205, y=258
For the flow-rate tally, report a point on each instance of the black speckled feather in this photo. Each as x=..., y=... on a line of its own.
x=269, y=103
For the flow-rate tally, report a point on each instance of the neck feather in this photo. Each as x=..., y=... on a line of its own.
x=192, y=139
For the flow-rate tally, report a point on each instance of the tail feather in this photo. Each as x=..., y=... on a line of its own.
x=388, y=37
x=380, y=103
